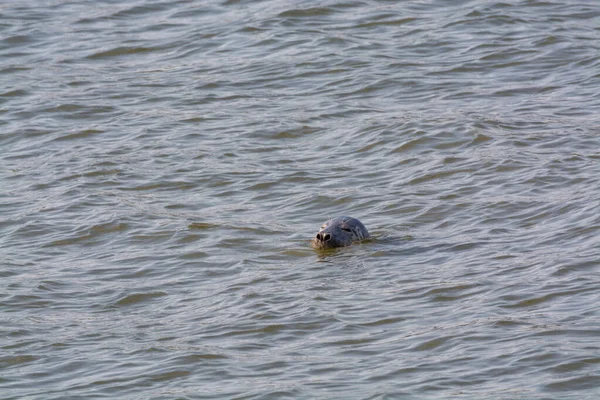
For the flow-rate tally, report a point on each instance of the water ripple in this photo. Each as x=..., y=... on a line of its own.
x=164, y=166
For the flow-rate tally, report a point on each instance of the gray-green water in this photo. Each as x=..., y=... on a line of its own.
x=163, y=165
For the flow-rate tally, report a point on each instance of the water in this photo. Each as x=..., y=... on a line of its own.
x=164, y=165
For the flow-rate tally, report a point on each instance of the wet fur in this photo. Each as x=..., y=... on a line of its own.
x=339, y=232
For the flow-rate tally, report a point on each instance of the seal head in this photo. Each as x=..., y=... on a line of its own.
x=340, y=232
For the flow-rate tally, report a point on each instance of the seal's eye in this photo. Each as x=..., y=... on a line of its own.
x=346, y=229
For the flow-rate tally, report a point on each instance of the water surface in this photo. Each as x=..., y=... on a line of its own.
x=164, y=164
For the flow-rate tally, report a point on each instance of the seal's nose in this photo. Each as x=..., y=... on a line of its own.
x=323, y=238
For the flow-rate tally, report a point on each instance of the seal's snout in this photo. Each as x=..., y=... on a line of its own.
x=323, y=238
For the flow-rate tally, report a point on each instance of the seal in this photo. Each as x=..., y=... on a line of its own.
x=340, y=232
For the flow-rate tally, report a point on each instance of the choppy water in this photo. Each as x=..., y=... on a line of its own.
x=164, y=164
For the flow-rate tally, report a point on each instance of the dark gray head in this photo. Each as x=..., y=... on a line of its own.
x=339, y=232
